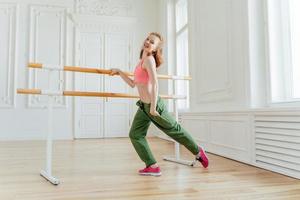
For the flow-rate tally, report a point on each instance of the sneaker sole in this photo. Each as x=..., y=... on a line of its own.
x=150, y=174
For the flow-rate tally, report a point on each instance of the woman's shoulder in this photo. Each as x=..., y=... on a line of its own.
x=149, y=61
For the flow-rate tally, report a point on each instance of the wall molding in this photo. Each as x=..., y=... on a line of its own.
x=205, y=93
x=91, y=23
x=11, y=12
x=223, y=134
x=104, y=7
x=36, y=76
x=271, y=136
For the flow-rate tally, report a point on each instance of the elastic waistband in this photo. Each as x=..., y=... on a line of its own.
x=143, y=104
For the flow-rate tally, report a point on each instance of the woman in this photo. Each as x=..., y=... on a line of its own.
x=153, y=109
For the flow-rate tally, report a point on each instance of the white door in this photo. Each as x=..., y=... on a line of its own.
x=117, y=110
x=89, y=111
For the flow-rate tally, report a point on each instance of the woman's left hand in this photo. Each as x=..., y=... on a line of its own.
x=114, y=71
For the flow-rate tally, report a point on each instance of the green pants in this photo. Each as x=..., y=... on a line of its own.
x=164, y=122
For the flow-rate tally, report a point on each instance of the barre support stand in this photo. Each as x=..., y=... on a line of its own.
x=176, y=157
x=47, y=173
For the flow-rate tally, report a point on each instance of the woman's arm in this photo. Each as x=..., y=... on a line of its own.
x=128, y=80
x=150, y=66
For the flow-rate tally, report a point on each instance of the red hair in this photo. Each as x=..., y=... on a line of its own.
x=158, y=53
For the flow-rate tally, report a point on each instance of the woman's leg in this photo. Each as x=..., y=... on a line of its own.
x=137, y=134
x=168, y=125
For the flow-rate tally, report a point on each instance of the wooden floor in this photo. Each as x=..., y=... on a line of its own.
x=107, y=169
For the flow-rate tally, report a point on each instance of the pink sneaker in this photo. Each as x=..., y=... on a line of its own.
x=202, y=158
x=149, y=171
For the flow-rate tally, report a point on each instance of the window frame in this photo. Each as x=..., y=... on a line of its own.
x=286, y=67
x=178, y=32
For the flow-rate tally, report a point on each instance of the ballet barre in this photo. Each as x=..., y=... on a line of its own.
x=95, y=70
x=88, y=94
x=47, y=173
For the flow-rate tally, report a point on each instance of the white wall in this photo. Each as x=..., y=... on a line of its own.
x=26, y=119
x=229, y=113
x=267, y=138
x=219, y=55
x=41, y=31
x=228, y=56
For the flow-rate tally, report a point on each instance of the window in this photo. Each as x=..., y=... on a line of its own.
x=182, y=54
x=284, y=50
x=295, y=45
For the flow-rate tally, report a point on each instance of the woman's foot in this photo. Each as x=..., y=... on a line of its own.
x=150, y=171
x=202, y=158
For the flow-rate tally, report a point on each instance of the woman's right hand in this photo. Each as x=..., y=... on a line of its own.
x=153, y=112
x=115, y=71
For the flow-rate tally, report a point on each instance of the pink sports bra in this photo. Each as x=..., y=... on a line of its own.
x=141, y=74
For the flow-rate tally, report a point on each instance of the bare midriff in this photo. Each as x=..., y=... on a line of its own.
x=144, y=91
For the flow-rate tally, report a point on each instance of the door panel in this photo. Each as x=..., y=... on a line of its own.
x=89, y=111
x=117, y=110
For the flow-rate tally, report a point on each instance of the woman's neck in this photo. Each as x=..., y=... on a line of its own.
x=145, y=54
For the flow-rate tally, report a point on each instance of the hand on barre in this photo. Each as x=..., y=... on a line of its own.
x=115, y=71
